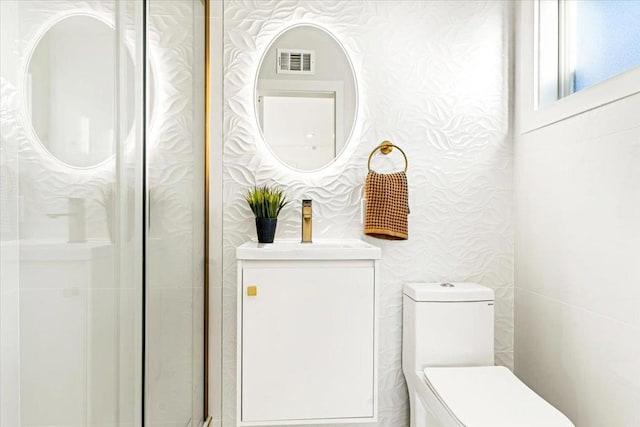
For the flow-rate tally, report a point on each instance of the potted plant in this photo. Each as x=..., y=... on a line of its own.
x=266, y=203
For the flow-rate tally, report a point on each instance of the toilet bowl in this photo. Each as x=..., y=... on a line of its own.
x=447, y=361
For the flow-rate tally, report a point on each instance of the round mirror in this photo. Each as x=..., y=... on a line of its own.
x=71, y=91
x=306, y=97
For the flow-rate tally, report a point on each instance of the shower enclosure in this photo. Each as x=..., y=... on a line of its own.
x=102, y=213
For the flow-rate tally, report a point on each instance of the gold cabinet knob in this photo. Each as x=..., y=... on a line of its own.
x=252, y=291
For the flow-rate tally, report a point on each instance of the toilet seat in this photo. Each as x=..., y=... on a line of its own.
x=491, y=396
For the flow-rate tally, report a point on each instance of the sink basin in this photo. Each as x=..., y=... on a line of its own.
x=318, y=250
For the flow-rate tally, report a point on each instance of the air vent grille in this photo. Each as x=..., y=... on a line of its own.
x=296, y=61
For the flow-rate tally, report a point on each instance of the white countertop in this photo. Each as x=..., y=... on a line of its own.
x=319, y=249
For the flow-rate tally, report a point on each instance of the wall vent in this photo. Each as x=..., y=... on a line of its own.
x=296, y=61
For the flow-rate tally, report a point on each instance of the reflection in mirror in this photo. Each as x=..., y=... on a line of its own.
x=306, y=97
x=71, y=91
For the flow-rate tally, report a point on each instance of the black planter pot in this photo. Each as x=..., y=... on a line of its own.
x=266, y=228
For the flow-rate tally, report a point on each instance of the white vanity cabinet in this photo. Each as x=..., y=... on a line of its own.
x=307, y=334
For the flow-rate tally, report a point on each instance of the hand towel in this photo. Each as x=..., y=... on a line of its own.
x=387, y=206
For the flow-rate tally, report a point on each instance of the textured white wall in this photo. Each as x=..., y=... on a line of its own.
x=432, y=77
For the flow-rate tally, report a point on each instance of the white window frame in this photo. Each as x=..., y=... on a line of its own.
x=530, y=78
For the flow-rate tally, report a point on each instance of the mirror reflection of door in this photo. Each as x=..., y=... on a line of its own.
x=300, y=127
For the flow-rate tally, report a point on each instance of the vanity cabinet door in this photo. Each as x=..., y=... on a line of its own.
x=308, y=343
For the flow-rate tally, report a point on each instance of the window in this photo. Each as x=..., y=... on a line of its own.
x=581, y=43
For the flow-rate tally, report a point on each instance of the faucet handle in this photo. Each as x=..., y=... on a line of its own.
x=306, y=208
x=306, y=221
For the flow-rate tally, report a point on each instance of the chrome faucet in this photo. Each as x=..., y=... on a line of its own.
x=306, y=221
x=76, y=220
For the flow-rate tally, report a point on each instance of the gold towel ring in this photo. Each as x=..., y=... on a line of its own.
x=386, y=147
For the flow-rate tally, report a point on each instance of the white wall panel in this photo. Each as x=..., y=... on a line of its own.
x=577, y=275
x=577, y=234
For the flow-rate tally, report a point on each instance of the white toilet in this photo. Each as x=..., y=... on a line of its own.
x=447, y=360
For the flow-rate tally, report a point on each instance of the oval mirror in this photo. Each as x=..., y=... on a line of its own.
x=306, y=97
x=70, y=90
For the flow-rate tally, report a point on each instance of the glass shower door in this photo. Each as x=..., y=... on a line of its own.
x=175, y=236
x=71, y=216
x=102, y=213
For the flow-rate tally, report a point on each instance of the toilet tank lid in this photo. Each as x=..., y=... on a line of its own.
x=448, y=292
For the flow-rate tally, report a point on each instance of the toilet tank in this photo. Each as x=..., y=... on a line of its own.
x=447, y=324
